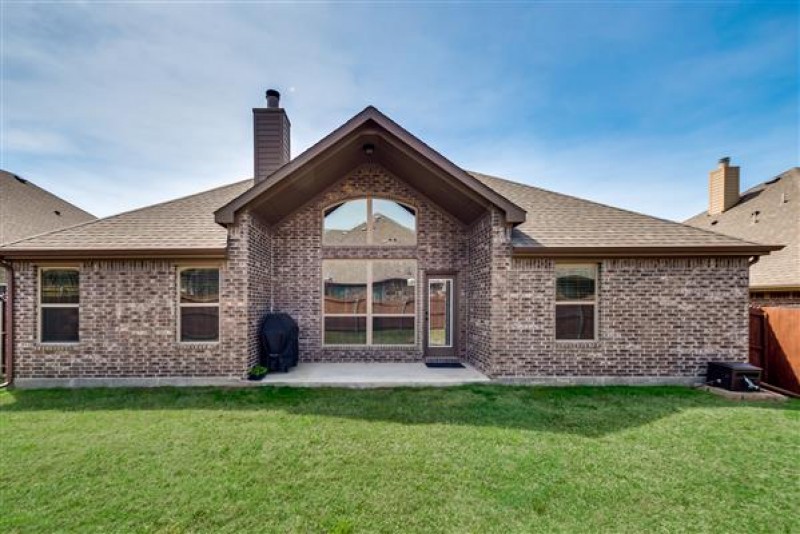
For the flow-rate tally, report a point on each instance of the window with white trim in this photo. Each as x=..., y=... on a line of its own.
x=198, y=304
x=369, y=302
x=576, y=301
x=59, y=302
x=369, y=221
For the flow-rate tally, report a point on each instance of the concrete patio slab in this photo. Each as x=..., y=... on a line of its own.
x=373, y=375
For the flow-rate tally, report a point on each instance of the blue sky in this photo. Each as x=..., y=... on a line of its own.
x=118, y=105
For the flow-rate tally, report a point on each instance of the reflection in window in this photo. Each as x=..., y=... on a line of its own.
x=576, y=301
x=59, y=305
x=199, y=304
x=392, y=223
x=369, y=222
x=351, y=317
x=346, y=224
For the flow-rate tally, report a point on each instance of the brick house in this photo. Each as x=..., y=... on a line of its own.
x=766, y=213
x=383, y=251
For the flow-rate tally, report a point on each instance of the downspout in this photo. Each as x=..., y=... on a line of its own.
x=7, y=317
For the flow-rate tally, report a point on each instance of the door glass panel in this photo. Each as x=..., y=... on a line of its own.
x=440, y=313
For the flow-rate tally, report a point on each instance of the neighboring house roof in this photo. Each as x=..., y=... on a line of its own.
x=182, y=227
x=766, y=213
x=27, y=210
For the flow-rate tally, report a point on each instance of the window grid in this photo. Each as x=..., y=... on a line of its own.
x=182, y=305
x=370, y=224
x=572, y=302
x=369, y=315
x=53, y=305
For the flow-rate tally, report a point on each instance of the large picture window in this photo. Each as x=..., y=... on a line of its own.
x=369, y=221
x=576, y=301
x=59, y=301
x=369, y=302
x=198, y=303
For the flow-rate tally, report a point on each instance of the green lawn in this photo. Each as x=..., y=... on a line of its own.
x=469, y=459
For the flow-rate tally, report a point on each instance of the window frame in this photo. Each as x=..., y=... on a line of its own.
x=181, y=305
x=369, y=315
x=370, y=231
x=449, y=281
x=595, y=302
x=43, y=306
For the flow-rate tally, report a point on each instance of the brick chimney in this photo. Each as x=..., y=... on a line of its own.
x=270, y=137
x=723, y=187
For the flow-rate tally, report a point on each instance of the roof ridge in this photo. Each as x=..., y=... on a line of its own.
x=623, y=210
x=116, y=215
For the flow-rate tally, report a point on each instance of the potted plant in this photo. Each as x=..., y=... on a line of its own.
x=257, y=372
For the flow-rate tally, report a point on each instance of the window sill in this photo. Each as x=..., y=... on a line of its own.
x=196, y=343
x=578, y=342
x=55, y=346
x=370, y=347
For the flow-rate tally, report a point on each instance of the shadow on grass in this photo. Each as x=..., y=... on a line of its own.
x=585, y=411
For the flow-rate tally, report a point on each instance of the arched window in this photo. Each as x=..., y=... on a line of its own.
x=370, y=221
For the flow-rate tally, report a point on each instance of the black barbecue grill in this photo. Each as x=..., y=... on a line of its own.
x=279, y=346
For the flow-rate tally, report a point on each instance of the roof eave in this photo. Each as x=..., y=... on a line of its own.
x=100, y=254
x=609, y=252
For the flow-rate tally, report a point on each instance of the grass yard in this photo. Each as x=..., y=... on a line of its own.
x=469, y=459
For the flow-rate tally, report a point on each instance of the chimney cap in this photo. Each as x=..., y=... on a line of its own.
x=273, y=98
x=725, y=161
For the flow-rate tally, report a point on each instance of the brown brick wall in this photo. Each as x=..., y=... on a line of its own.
x=128, y=312
x=298, y=252
x=658, y=317
x=259, y=281
x=128, y=317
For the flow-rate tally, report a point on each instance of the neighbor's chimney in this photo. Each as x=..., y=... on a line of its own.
x=723, y=187
x=270, y=137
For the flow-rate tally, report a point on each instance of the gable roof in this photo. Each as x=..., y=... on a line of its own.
x=547, y=223
x=399, y=144
x=777, y=206
x=183, y=227
x=26, y=209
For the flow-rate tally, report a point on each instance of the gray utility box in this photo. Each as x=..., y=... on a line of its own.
x=733, y=376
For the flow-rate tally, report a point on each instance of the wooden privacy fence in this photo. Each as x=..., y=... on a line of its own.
x=775, y=345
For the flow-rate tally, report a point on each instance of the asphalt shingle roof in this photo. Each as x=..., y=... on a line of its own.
x=27, y=210
x=185, y=223
x=553, y=220
x=556, y=220
x=777, y=222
